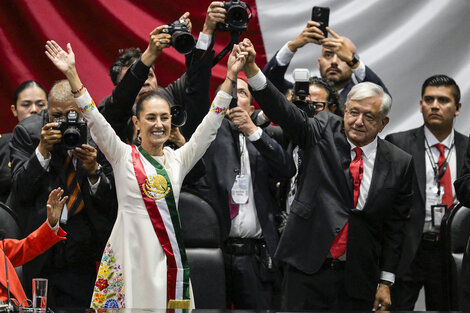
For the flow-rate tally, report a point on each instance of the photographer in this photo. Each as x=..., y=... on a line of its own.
x=41, y=162
x=133, y=74
x=338, y=61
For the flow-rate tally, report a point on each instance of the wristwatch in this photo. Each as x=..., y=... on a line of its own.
x=385, y=282
x=354, y=60
x=97, y=173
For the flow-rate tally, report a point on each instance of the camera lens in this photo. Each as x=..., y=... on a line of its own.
x=71, y=137
x=237, y=16
x=178, y=116
x=183, y=42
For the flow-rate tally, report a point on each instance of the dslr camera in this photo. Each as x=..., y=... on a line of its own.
x=236, y=16
x=181, y=38
x=73, y=129
x=301, y=91
x=178, y=116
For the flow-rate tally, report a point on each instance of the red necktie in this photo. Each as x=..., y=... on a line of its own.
x=445, y=180
x=356, y=168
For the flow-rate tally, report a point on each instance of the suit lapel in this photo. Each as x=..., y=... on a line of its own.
x=379, y=174
x=460, y=149
x=419, y=157
x=344, y=149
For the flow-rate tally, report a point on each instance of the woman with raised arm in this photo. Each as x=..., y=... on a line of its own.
x=144, y=264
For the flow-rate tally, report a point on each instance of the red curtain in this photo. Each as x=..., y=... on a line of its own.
x=97, y=29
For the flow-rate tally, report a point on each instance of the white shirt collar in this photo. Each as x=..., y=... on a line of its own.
x=368, y=149
x=432, y=140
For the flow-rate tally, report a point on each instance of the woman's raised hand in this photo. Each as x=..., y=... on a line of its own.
x=64, y=61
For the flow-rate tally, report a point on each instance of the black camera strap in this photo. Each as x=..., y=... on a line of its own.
x=234, y=38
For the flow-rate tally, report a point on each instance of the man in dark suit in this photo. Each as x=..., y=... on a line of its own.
x=432, y=187
x=40, y=163
x=342, y=240
x=338, y=61
x=240, y=164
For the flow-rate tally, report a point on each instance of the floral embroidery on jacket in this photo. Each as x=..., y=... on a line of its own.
x=109, y=286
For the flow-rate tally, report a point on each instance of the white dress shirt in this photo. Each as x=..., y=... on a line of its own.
x=431, y=184
x=246, y=223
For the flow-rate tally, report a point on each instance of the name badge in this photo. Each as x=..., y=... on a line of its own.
x=437, y=213
x=240, y=189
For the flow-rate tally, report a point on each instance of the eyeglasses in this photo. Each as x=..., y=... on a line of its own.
x=319, y=105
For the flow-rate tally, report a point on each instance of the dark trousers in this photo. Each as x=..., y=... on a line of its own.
x=425, y=270
x=250, y=285
x=324, y=290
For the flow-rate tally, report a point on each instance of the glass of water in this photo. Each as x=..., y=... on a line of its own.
x=40, y=294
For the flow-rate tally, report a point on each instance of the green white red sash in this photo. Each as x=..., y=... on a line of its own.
x=159, y=200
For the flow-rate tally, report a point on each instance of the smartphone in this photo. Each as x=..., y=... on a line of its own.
x=322, y=16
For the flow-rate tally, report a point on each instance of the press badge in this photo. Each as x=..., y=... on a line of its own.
x=433, y=200
x=437, y=213
x=240, y=189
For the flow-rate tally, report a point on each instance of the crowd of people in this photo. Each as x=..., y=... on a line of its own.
x=316, y=211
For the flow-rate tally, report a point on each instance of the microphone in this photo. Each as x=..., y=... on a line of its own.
x=2, y=238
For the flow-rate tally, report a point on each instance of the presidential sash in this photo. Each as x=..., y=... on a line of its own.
x=159, y=200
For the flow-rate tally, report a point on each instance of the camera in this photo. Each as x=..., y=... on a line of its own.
x=178, y=116
x=181, y=37
x=301, y=91
x=236, y=16
x=73, y=129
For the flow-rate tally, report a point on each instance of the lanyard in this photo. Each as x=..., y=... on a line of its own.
x=438, y=172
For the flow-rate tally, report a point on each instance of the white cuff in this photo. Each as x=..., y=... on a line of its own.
x=284, y=56
x=44, y=162
x=258, y=82
x=256, y=135
x=387, y=276
x=360, y=72
x=203, y=41
x=84, y=100
x=260, y=120
x=54, y=228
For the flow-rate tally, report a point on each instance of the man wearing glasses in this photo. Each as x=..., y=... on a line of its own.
x=343, y=237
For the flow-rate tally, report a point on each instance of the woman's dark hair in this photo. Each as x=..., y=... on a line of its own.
x=26, y=85
x=148, y=96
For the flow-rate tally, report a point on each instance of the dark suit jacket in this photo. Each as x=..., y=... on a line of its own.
x=87, y=231
x=267, y=160
x=5, y=171
x=275, y=73
x=324, y=201
x=462, y=184
x=412, y=141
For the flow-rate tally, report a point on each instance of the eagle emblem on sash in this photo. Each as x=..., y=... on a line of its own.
x=156, y=187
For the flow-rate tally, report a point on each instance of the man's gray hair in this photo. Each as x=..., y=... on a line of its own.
x=366, y=90
x=61, y=92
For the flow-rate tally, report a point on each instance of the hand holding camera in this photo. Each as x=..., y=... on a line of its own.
x=215, y=14
x=237, y=16
x=87, y=155
x=50, y=135
x=180, y=31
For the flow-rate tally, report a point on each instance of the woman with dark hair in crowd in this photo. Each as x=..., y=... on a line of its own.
x=144, y=264
x=30, y=98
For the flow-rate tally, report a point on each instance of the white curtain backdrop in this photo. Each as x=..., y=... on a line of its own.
x=403, y=41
